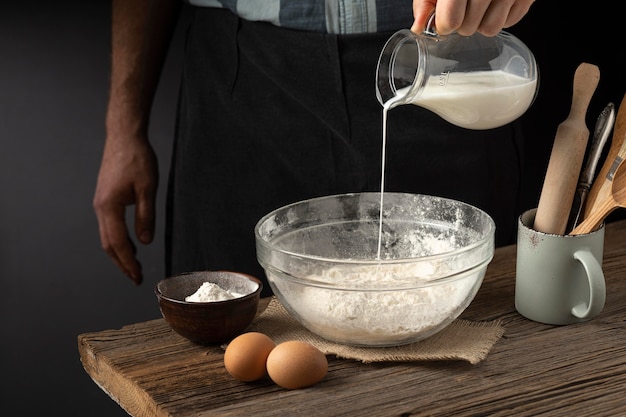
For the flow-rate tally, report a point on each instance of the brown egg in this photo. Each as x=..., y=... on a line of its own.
x=295, y=364
x=246, y=355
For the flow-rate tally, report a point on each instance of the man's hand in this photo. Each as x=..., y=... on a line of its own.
x=466, y=17
x=141, y=31
x=128, y=175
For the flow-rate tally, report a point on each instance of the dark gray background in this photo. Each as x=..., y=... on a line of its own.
x=56, y=281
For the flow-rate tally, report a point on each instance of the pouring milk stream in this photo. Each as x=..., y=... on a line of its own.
x=475, y=82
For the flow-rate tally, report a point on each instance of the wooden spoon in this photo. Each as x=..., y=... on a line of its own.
x=619, y=130
x=610, y=188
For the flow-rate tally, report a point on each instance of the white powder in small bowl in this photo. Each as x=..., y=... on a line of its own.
x=210, y=291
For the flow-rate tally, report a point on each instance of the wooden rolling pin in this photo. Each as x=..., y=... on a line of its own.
x=568, y=153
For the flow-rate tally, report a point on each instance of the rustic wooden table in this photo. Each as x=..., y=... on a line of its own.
x=533, y=370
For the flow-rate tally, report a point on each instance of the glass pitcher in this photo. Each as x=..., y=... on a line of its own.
x=475, y=82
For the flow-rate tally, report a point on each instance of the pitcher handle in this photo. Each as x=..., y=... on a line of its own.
x=430, y=28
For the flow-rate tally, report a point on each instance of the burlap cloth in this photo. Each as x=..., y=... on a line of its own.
x=461, y=340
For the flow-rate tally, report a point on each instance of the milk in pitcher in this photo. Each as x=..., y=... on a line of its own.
x=463, y=102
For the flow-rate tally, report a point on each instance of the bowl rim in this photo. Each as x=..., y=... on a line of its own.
x=488, y=234
x=242, y=298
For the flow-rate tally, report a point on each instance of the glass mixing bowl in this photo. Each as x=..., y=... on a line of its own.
x=324, y=264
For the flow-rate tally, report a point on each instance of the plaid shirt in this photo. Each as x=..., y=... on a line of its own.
x=326, y=16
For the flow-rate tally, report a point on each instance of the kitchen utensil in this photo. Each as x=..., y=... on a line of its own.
x=601, y=133
x=619, y=131
x=320, y=258
x=567, y=156
x=475, y=82
x=211, y=322
x=609, y=190
x=558, y=278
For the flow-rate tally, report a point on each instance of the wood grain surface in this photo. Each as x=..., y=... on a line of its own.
x=535, y=369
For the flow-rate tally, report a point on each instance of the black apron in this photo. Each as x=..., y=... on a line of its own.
x=271, y=116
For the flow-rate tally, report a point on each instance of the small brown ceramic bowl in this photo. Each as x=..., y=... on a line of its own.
x=210, y=322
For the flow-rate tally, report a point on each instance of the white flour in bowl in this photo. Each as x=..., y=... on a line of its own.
x=401, y=314
x=210, y=291
x=378, y=317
